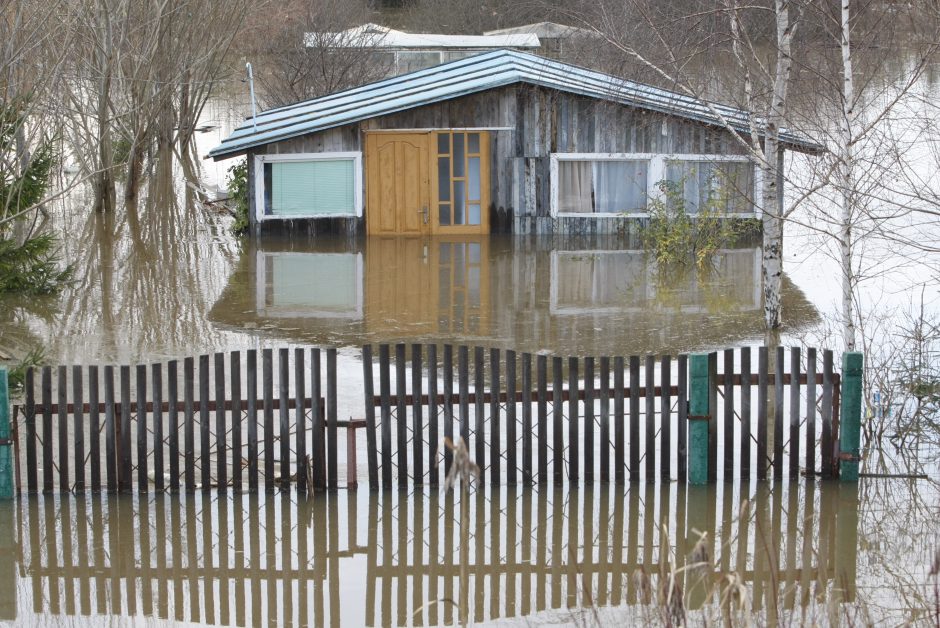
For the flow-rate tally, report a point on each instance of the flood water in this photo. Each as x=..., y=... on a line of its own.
x=553, y=557
x=166, y=280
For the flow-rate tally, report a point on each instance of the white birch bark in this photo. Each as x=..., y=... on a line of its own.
x=847, y=182
x=771, y=200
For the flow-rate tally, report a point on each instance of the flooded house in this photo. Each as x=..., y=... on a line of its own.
x=504, y=141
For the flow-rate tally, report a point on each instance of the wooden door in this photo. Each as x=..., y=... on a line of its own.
x=397, y=184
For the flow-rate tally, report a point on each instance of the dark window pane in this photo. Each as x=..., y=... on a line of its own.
x=443, y=178
x=458, y=154
x=473, y=142
x=459, y=203
x=443, y=143
x=444, y=214
x=267, y=189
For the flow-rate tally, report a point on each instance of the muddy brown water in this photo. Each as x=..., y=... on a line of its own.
x=816, y=552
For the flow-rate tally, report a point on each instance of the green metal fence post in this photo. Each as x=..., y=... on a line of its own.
x=699, y=416
x=6, y=446
x=850, y=419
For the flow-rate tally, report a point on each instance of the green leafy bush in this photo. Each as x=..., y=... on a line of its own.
x=238, y=196
x=32, y=268
x=676, y=237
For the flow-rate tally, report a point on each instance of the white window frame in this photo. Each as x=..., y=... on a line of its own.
x=656, y=173
x=260, y=160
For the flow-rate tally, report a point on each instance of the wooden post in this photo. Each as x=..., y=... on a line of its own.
x=6, y=453
x=371, y=445
x=699, y=416
x=851, y=416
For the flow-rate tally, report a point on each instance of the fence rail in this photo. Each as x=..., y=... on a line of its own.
x=269, y=419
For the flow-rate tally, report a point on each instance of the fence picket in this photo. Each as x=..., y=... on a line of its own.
x=267, y=386
x=527, y=418
x=173, y=436
x=619, y=434
x=589, y=420
x=62, y=422
x=665, y=413
x=221, y=442
x=125, y=481
x=778, y=414
x=369, y=391
x=495, y=448
x=650, y=453
x=331, y=417
x=728, y=406
x=401, y=416
x=574, y=420
x=827, y=440
x=604, y=419
x=300, y=420
x=205, y=434
x=811, y=413
x=156, y=374
x=794, y=458
x=94, y=428
x=235, y=373
x=110, y=427
x=189, y=428
x=433, y=435
x=511, y=443
x=479, y=409
x=682, y=442
x=745, y=423
x=417, y=414
x=283, y=378
x=318, y=414
x=385, y=384
x=541, y=368
x=634, y=418
x=78, y=428
x=558, y=425
x=762, y=383
x=251, y=385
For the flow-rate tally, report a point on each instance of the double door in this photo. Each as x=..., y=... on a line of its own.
x=428, y=182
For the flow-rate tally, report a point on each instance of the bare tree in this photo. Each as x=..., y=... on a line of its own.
x=671, y=42
x=303, y=50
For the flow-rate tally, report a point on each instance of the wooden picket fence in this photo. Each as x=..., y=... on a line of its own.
x=596, y=419
x=216, y=424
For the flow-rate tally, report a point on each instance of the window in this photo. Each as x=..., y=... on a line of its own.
x=308, y=185
x=725, y=186
x=461, y=178
x=602, y=187
x=610, y=184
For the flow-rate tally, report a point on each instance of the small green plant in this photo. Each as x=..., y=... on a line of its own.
x=676, y=237
x=238, y=196
x=17, y=375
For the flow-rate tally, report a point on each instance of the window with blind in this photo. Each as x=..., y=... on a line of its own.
x=310, y=188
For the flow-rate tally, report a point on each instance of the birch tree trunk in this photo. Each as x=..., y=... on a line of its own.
x=771, y=199
x=847, y=183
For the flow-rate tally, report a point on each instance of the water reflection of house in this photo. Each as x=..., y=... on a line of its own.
x=503, y=141
x=591, y=296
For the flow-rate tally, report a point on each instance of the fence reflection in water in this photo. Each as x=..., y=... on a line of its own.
x=395, y=558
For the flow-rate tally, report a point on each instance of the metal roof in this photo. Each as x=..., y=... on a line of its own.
x=468, y=76
x=377, y=36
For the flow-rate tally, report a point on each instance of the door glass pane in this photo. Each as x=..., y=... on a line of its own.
x=473, y=142
x=443, y=178
x=458, y=154
x=473, y=179
x=459, y=197
x=473, y=214
x=444, y=214
x=443, y=143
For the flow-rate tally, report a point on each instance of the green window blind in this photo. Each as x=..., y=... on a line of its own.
x=308, y=188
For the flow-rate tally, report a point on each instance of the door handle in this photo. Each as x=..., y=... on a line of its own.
x=424, y=213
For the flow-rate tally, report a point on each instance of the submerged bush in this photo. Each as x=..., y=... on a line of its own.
x=676, y=237
x=238, y=196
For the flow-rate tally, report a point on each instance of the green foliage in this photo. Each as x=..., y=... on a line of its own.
x=21, y=191
x=238, y=196
x=16, y=378
x=32, y=268
x=676, y=237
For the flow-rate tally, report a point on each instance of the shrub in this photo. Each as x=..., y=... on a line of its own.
x=238, y=196
x=675, y=236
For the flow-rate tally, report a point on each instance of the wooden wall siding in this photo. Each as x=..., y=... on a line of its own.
x=543, y=121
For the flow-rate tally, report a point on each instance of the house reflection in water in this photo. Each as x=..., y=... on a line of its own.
x=580, y=296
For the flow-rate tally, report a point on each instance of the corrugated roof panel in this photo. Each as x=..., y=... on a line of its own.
x=467, y=76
